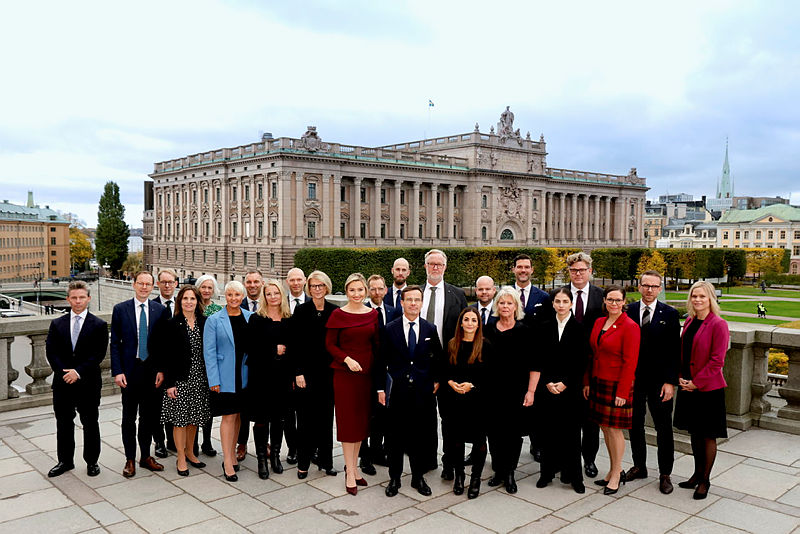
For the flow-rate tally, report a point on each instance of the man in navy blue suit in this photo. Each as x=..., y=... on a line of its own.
x=656, y=376
x=167, y=282
x=76, y=344
x=134, y=328
x=485, y=290
x=411, y=353
x=535, y=302
x=400, y=272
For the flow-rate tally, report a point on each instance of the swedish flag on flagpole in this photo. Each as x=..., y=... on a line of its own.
x=430, y=103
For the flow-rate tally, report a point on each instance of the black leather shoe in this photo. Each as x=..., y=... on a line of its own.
x=330, y=471
x=263, y=470
x=291, y=458
x=511, y=484
x=92, y=470
x=635, y=472
x=230, y=478
x=579, y=487
x=543, y=482
x=160, y=450
x=701, y=492
x=302, y=474
x=665, y=484
x=458, y=484
x=474, y=487
x=277, y=466
x=495, y=481
x=198, y=465
x=421, y=486
x=448, y=473
x=602, y=482
x=537, y=455
x=184, y=473
x=367, y=468
x=393, y=487
x=208, y=450
x=690, y=484
x=590, y=469
x=60, y=468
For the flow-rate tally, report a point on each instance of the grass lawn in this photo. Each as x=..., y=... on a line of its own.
x=633, y=296
x=737, y=319
x=786, y=309
x=786, y=293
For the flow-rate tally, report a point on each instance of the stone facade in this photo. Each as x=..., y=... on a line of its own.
x=222, y=211
x=774, y=226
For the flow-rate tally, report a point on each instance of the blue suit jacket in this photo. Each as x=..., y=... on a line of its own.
x=411, y=377
x=537, y=304
x=124, y=336
x=389, y=299
x=392, y=313
x=219, y=352
x=492, y=319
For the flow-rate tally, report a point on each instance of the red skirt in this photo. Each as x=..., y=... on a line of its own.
x=602, y=394
x=352, y=397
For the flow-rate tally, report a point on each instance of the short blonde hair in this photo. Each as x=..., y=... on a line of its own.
x=236, y=286
x=322, y=277
x=508, y=291
x=579, y=256
x=708, y=287
x=355, y=277
x=286, y=311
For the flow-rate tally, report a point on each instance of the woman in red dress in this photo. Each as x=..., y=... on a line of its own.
x=351, y=340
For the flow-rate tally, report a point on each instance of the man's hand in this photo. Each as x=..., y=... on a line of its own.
x=382, y=398
x=159, y=379
x=70, y=376
x=300, y=380
x=667, y=391
x=120, y=381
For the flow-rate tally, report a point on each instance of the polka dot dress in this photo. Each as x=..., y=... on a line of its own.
x=192, y=405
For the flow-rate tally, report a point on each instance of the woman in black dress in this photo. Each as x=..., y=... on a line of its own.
x=462, y=400
x=313, y=377
x=185, y=403
x=270, y=375
x=565, y=349
x=513, y=383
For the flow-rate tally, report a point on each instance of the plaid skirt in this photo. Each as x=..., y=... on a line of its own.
x=602, y=394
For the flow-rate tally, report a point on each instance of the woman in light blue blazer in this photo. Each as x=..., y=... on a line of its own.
x=224, y=345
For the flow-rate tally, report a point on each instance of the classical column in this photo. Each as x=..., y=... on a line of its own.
x=596, y=231
x=551, y=233
x=562, y=218
x=448, y=224
x=607, y=232
x=413, y=221
x=527, y=213
x=377, y=208
x=284, y=203
x=620, y=206
x=325, y=202
x=398, y=185
x=38, y=369
x=299, y=203
x=573, y=234
x=336, y=215
x=545, y=212
x=585, y=219
x=433, y=212
x=355, y=209
x=494, y=234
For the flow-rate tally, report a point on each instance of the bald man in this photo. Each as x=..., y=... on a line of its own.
x=400, y=271
x=296, y=281
x=485, y=291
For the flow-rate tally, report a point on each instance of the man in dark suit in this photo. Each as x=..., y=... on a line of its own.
x=656, y=376
x=400, y=272
x=253, y=282
x=587, y=307
x=410, y=353
x=535, y=302
x=296, y=281
x=377, y=293
x=485, y=291
x=167, y=281
x=76, y=344
x=441, y=305
x=135, y=325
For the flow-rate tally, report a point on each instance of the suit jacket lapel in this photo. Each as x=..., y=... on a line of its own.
x=132, y=316
x=228, y=330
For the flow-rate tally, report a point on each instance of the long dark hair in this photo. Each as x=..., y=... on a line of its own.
x=198, y=311
x=477, y=344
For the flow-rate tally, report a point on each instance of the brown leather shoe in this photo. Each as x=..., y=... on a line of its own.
x=130, y=469
x=151, y=464
x=634, y=473
x=665, y=484
x=241, y=452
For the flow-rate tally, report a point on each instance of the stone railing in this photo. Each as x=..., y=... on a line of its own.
x=745, y=371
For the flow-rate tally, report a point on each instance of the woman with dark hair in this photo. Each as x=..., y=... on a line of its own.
x=700, y=407
x=609, y=383
x=512, y=386
x=558, y=394
x=313, y=377
x=270, y=383
x=185, y=402
x=462, y=401
x=352, y=341
x=224, y=349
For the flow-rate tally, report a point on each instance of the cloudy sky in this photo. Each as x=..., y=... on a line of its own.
x=97, y=91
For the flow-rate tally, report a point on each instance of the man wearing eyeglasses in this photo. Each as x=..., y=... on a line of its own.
x=587, y=307
x=656, y=376
x=167, y=283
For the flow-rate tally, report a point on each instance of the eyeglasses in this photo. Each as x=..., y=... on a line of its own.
x=647, y=286
x=316, y=286
x=615, y=301
x=435, y=265
x=578, y=271
x=168, y=282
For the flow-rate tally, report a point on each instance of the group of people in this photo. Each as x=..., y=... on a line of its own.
x=388, y=364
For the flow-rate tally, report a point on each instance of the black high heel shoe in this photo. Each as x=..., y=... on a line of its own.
x=611, y=491
x=701, y=492
x=198, y=465
x=230, y=478
x=302, y=474
x=692, y=483
x=183, y=473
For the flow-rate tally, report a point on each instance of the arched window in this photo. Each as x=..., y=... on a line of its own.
x=506, y=235
x=483, y=233
x=534, y=234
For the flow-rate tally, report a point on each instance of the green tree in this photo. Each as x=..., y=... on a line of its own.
x=651, y=261
x=80, y=248
x=111, y=239
x=133, y=263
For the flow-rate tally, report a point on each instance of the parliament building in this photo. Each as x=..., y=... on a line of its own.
x=229, y=209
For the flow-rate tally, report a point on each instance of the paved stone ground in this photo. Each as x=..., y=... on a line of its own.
x=755, y=488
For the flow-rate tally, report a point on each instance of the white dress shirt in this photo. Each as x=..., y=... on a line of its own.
x=380, y=307
x=137, y=307
x=73, y=315
x=293, y=301
x=407, y=326
x=562, y=325
x=439, y=311
x=642, y=308
x=584, y=296
x=488, y=309
x=395, y=292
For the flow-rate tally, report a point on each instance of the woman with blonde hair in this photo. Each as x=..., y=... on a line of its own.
x=352, y=341
x=268, y=398
x=700, y=406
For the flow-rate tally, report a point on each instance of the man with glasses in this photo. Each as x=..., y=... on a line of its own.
x=587, y=307
x=167, y=283
x=656, y=376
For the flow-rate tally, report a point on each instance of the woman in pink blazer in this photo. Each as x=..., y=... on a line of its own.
x=700, y=406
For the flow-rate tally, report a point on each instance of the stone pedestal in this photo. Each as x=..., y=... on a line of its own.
x=791, y=390
x=38, y=369
x=760, y=385
x=8, y=391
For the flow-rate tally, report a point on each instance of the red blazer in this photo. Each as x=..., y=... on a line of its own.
x=708, y=352
x=615, y=357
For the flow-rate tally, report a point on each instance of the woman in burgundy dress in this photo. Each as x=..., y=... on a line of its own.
x=351, y=340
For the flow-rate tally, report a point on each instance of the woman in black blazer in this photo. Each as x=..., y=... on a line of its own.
x=313, y=377
x=565, y=354
x=186, y=393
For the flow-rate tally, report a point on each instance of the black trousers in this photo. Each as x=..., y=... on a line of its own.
x=377, y=423
x=140, y=397
x=315, y=423
x=649, y=396
x=560, y=432
x=508, y=423
x=410, y=429
x=590, y=442
x=455, y=447
x=84, y=397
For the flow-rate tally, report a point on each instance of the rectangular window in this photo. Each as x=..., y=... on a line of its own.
x=438, y=232
x=208, y=227
x=271, y=260
x=363, y=194
x=438, y=199
x=52, y=228
x=455, y=201
x=770, y=234
x=52, y=240
x=204, y=256
x=244, y=258
x=783, y=234
x=797, y=234
x=275, y=190
x=796, y=250
x=274, y=229
x=234, y=228
x=402, y=197
x=216, y=256
x=247, y=194
x=177, y=230
x=233, y=193
x=342, y=194
x=312, y=191
x=420, y=231
x=219, y=229
x=159, y=200
x=402, y=231
x=233, y=258
x=363, y=230
x=342, y=228
x=758, y=234
x=312, y=230
x=260, y=191
x=52, y=252
x=724, y=235
x=383, y=195
x=192, y=255
x=258, y=259
x=177, y=199
x=194, y=196
x=260, y=229
x=737, y=235
x=218, y=195
x=746, y=234
x=420, y=198
x=205, y=195
x=53, y=263
x=195, y=229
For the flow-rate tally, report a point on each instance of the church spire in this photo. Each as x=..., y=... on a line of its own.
x=725, y=189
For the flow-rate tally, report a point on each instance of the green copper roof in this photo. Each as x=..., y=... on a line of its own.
x=15, y=212
x=781, y=211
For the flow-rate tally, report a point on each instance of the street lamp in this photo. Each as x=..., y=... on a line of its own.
x=39, y=289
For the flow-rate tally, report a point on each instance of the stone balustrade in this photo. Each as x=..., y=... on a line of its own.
x=745, y=371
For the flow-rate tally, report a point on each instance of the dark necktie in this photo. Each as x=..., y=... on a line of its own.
x=412, y=340
x=296, y=302
x=143, y=334
x=646, y=316
x=430, y=316
x=483, y=315
x=397, y=303
x=253, y=305
x=169, y=309
x=522, y=297
x=381, y=322
x=579, y=307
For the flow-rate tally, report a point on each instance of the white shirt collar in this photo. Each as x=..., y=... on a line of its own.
x=82, y=315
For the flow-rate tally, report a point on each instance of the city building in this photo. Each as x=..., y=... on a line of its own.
x=775, y=226
x=34, y=242
x=689, y=233
x=751, y=203
x=255, y=205
x=723, y=201
x=680, y=207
